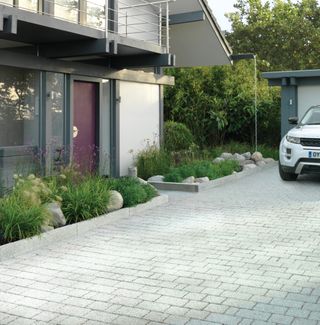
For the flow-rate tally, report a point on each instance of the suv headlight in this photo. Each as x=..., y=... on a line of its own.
x=293, y=139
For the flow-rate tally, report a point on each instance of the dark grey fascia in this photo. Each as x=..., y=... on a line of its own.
x=75, y=48
x=149, y=60
x=187, y=17
x=292, y=74
x=12, y=59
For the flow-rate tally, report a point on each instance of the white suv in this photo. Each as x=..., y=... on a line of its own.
x=300, y=148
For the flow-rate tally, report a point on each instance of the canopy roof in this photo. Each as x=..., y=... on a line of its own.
x=195, y=36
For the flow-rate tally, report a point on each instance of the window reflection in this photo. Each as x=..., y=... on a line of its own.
x=66, y=10
x=95, y=13
x=55, y=119
x=31, y=5
x=19, y=107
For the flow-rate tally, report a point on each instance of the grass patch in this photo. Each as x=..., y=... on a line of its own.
x=85, y=200
x=152, y=161
x=202, y=169
x=132, y=190
x=20, y=217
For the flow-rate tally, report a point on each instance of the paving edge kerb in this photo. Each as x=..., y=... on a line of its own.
x=196, y=187
x=75, y=230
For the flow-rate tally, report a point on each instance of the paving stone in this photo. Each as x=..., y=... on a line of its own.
x=207, y=258
x=223, y=319
x=281, y=319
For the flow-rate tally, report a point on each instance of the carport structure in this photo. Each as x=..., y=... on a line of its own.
x=300, y=90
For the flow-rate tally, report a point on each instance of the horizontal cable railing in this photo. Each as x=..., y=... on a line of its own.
x=142, y=20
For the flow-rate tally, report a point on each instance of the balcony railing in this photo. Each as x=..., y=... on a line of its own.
x=145, y=20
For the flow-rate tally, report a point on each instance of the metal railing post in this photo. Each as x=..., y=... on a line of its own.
x=160, y=25
x=106, y=17
x=167, y=26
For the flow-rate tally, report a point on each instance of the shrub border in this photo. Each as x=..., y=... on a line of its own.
x=199, y=187
x=28, y=245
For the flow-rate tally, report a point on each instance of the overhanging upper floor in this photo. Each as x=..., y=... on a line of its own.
x=134, y=33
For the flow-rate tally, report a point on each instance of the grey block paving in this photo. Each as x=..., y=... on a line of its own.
x=244, y=253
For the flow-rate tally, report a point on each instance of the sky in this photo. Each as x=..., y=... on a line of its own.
x=219, y=8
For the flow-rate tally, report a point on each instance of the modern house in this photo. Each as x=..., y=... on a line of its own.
x=299, y=91
x=81, y=80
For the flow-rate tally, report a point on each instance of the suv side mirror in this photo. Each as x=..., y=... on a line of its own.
x=293, y=120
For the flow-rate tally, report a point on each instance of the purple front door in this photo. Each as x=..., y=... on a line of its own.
x=84, y=124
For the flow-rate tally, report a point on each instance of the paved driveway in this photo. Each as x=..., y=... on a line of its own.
x=243, y=253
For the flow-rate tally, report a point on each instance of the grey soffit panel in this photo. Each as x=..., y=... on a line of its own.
x=201, y=42
x=12, y=59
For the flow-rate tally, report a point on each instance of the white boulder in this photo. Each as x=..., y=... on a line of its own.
x=115, y=201
x=238, y=157
x=227, y=156
x=249, y=167
x=247, y=155
x=157, y=178
x=257, y=156
x=57, y=218
x=202, y=180
x=189, y=180
x=218, y=160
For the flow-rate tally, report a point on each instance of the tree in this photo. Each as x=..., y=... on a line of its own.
x=217, y=104
x=285, y=35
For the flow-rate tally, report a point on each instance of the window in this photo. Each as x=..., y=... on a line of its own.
x=19, y=107
x=67, y=10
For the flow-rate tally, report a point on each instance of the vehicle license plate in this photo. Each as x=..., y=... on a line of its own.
x=314, y=154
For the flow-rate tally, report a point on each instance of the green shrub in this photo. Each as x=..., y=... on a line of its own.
x=177, y=136
x=202, y=169
x=85, y=200
x=132, y=191
x=152, y=161
x=20, y=218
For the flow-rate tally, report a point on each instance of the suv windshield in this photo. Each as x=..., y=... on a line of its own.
x=312, y=117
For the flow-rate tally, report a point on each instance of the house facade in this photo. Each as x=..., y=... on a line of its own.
x=82, y=80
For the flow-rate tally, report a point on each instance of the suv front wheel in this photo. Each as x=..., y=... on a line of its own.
x=287, y=176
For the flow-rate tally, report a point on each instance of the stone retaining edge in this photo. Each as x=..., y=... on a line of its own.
x=196, y=187
x=23, y=246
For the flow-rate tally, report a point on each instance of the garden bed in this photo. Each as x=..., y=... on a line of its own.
x=199, y=187
x=74, y=230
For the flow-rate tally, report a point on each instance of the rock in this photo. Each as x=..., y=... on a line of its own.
x=260, y=163
x=257, y=156
x=46, y=228
x=157, y=178
x=248, y=167
x=57, y=218
x=189, y=180
x=247, y=155
x=227, y=156
x=115, y=201
x=133, y=171
x=233, y=173
x=246, y=162
x=142, y=181
x=218, y=160
x=238, y=157
x=268, y=160
x=202, y=180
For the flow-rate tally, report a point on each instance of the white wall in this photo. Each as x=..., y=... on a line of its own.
x=307, y=96
x=139, y=120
